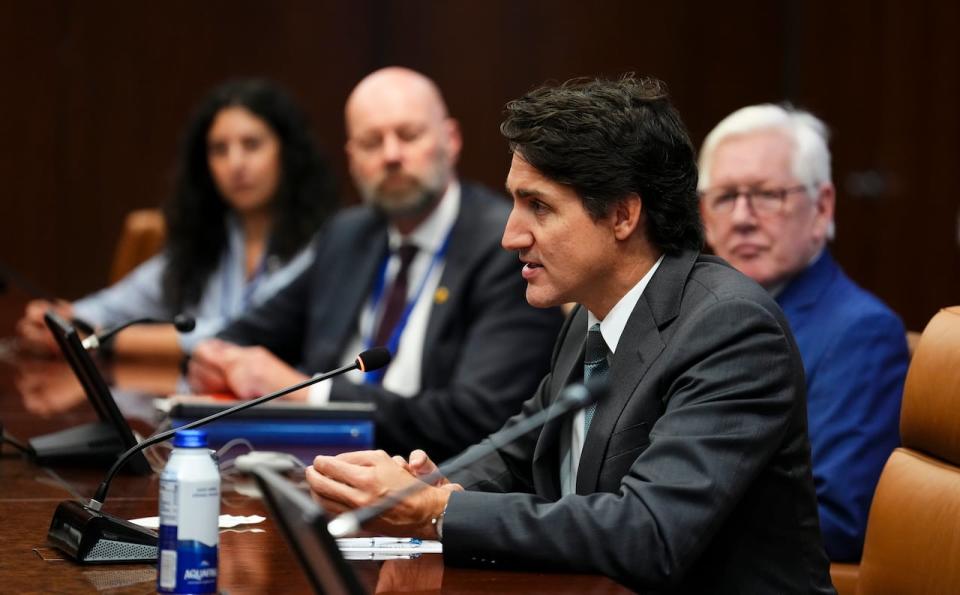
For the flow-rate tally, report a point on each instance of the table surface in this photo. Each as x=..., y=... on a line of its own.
x=39, y=396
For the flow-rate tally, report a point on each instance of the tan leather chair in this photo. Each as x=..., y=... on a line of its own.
x=913, y=533
x=913, y=338
x=143, y=235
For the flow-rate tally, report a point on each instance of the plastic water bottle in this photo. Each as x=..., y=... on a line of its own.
x=189, y=517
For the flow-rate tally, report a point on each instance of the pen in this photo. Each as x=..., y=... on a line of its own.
x=378, y=542
x=375, y=556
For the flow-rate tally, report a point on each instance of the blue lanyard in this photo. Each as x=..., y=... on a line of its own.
x=376, y=377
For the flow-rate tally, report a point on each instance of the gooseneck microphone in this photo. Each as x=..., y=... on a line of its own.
x=10, y=275
x=87, y=535
x=572, y=398
x=181, y=322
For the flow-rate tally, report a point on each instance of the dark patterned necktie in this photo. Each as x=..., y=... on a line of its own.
x=396, y=299
x=595, y=365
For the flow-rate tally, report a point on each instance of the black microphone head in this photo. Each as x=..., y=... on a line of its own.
x=578, y=396
x=184, y=323
x=373, y=359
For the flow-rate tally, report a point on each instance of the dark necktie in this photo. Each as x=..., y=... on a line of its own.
x=396, y=299
x=595, y=365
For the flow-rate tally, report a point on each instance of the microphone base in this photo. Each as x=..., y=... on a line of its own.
x=93, y=444
x=89, y=536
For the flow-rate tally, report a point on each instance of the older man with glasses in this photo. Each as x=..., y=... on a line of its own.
x=767, y=202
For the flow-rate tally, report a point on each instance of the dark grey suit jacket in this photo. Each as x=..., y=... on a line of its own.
x=484, y=351
x=695, y=474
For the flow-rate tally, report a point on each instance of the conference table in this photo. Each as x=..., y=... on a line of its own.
x=40, y=395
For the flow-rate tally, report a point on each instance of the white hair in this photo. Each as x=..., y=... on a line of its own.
x=810, y=162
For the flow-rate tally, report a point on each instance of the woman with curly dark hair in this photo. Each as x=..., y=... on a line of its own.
x=251, y=190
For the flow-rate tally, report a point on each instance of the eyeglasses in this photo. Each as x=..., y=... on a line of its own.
x=762, y=201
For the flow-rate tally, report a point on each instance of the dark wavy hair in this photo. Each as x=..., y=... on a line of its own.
x=196, y=212
x=607, y=139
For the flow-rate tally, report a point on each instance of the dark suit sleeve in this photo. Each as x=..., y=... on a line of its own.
x=855, y=425
x=279, y=323
x=732, y=388
x=508, y=466
x=496, y=364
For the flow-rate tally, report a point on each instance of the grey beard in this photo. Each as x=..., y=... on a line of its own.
x=411, y=206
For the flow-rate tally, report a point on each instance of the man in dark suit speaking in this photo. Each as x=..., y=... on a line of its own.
x=418, y=268
x=693, y=474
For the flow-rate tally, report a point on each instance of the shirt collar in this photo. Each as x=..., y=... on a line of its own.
x=429, y=235
x=612, y=326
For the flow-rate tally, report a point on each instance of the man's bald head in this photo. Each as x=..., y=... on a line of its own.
x=395, y=84
x=401, y=144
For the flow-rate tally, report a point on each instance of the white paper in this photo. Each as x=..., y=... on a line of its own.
x=226, y=521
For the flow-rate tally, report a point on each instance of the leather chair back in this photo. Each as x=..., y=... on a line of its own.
x=144, y=232
x=913, y=533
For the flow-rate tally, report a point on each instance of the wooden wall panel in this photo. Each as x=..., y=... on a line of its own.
x=119, y=81
x=97, y=93
x=28, y=130
x=886, y=77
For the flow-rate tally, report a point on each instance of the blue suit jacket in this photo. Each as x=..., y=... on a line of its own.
x=855, y=356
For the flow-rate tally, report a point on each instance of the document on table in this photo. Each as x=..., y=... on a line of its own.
x=226, y=521
x=389, y=545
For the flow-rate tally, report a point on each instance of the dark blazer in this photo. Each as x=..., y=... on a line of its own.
x=854, y=352
x=484, y=350
x=695, y=473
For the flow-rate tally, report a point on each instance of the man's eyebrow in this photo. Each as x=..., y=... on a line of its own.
x=525, y=192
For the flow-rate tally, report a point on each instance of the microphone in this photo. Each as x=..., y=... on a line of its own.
x=181, y=322
x=10, y=275
x=87, y=535
x=572, y=398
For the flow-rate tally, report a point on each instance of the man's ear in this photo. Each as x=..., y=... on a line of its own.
x=627, y=214
x=823, y=226
x=709, y=225
x=453, y=138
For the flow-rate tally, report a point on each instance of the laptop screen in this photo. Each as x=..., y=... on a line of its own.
x=95, y=387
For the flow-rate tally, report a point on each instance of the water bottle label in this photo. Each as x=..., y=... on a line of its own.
x=188, y=534
x=168, y=569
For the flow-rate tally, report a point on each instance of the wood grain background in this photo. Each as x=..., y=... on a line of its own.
x=95, y=95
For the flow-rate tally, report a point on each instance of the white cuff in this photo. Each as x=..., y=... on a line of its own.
x=437, y=522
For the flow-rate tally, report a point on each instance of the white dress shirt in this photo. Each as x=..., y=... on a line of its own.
x=611, y=328
x=403, y=375
x=227, y=292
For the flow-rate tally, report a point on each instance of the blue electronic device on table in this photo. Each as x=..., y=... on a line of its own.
x=346, y=426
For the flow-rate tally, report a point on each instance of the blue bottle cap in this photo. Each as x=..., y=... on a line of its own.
x=190, y=439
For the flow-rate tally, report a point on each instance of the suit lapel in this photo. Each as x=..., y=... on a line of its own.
x=356, y=285
x=567, y=369
x=639, y=346
x=803, y=292
x=467, y=242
